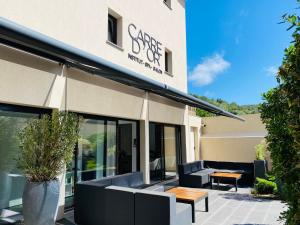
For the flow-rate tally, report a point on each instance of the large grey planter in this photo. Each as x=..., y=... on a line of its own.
x=260, y=168
x=40, y=203
x=5, y=187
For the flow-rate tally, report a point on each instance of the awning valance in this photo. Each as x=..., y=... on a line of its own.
x=20, y=37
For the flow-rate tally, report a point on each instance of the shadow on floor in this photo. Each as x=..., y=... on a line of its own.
x=243, y=197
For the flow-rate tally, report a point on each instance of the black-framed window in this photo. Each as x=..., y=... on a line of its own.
x=12, y=119
x=112, y=29
x=165, y=150
x=107, y=147
x=168, y=61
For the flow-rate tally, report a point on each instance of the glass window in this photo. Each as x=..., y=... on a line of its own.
x=112, y=29
x=168, y=61
x=91, y=150
x=127, y=150
x=106, y=147
x=170, y=150
x=12, y=181
x=165, y=150
x=111, y=149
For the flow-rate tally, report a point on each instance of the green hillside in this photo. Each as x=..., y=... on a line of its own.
x=230, y=107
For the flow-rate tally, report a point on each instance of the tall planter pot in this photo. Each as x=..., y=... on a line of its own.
x=260, y=168
x=40, y=203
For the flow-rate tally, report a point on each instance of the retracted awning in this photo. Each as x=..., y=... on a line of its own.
x=25, y=39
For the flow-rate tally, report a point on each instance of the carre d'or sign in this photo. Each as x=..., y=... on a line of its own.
x=142, y=41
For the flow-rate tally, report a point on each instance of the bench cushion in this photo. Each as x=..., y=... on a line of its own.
x=133, y=180
x=203, y=172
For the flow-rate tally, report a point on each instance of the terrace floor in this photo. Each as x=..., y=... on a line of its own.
x=227, y=207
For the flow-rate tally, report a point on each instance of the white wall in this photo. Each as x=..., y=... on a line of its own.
x=226, y=139
x=83, y=24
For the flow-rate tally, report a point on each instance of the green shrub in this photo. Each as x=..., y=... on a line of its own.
x=280, y=113
x=260, y=150
x=47, y=145
x=263, y=186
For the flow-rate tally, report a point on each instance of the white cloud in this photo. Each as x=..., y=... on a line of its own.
x=207, y=70
x=271, y=71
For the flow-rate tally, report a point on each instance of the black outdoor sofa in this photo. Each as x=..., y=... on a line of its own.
x=197, y=174
x=126, y=200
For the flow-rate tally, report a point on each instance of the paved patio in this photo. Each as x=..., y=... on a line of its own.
x=238, y=208
x=227, y=207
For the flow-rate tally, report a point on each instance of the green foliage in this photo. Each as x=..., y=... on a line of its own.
x=47, y=145
x=260, y=150
x=230, y=107
x=96, y=140
x=263, y=186
x=281, y=114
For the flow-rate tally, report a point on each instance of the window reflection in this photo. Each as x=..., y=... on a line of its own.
x=91, y=150
x=106, y=147
x=111, y=149
x=12, y=180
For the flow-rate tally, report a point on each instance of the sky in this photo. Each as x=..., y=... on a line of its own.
x=234, y=47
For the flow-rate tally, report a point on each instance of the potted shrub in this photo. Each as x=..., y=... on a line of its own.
x=260, y=164
x=47, y=145
x=266, y=186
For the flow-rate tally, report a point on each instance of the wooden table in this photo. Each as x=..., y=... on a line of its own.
x=225, y=176
x=190, y=196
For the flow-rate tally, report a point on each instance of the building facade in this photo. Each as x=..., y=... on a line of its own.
x=125, y=128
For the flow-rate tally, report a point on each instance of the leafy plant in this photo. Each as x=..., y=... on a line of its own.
x=280, y=112
x=47, y=145
x=260, y=150
x=263, y=186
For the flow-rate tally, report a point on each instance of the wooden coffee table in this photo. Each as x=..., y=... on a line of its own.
x=190, y=196
x=225, y=177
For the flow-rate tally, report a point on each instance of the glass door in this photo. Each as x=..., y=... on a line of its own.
x=156, y=163
x=12, y=180
x=165, y=153
x=106, y=147
x=127, y=155
x=91, y=155
x=170, y=151
x=111, y=146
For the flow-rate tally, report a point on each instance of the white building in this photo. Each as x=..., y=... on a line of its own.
x=120, y=64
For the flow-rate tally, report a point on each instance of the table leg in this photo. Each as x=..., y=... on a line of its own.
x=211, y=183
x=193, y=212
x=236, y=185
x=218, y=182
x=206, y=204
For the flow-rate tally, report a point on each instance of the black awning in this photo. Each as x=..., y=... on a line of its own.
x=20, y=37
